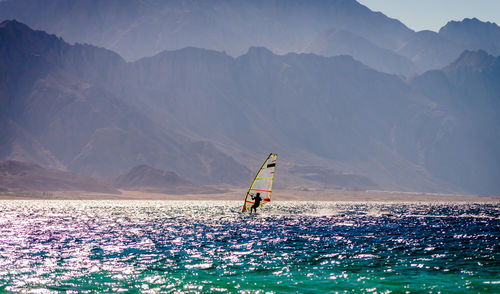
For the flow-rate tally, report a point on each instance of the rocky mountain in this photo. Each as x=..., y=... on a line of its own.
x=473, y=34
x=140, y=28
x=430, y=50
x=468, y=90
x=342, y=42
x=209, y=116
x=55, y=114
x=17, y=175
x=333, y=111
x=146, y=178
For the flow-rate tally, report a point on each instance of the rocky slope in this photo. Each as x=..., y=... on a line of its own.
x=464, y=151
x=22, y=176
x=57, y=115
x=146, y=178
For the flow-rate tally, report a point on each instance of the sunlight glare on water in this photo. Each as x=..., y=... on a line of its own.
x=208, y=246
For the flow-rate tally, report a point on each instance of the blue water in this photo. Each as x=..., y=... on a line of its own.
x=204, y=246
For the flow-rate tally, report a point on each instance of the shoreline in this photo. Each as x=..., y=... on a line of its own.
x=237, y=194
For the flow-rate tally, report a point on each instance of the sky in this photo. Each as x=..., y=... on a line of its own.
x=433, y=14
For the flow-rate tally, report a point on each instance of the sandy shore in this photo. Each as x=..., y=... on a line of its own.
x=278, y=195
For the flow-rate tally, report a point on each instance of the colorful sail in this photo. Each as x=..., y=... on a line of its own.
x=263, y=183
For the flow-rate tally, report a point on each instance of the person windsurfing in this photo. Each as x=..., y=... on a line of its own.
x=256, y=204
x=263, y=183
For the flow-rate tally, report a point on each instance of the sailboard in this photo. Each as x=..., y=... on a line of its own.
x=262, y=183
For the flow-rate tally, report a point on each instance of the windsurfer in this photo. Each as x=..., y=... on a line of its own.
x=256, y=204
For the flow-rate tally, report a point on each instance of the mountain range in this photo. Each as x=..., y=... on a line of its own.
x=335, y=121
x=17, y=176
x=56, y=116
x=142, y=28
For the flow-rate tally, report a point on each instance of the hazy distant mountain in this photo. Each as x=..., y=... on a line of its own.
x=466, y=150
x=430, y=50
x=139, y=28
x=302, y=106
x=332, y=179
x=57, y=116
x=194, y=111
x=22, y=176
x=341, y=42
x=473, y=34
x=146, y=178
x=332, y=108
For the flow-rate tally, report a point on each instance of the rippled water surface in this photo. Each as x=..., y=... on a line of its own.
x=305, y=247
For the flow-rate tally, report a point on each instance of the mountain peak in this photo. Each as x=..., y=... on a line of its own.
x=473, y=34
x=473, y=20
x=467, y=23
x=10, y=23
x=468, y=58
x=257, y=55
x=14, y=32
x=13, y=26
x=259, y=51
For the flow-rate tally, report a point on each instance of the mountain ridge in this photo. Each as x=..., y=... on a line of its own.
x=468, y=91
x=341, y=42
x=149, y=179
x=22, y=176
x=141, y=28
x=195, y=110
x=55, y=87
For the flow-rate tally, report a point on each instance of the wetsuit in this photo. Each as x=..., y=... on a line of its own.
x=256, y=204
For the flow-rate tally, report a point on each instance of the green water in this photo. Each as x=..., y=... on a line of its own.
x=204, y=247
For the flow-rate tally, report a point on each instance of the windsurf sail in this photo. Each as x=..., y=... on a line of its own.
x=263, y=183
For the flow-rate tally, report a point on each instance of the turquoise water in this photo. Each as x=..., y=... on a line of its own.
x=204, y=246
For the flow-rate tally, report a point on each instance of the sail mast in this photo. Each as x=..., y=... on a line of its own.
x=263, y=182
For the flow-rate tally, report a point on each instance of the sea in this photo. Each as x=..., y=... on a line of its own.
x=80, y=246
